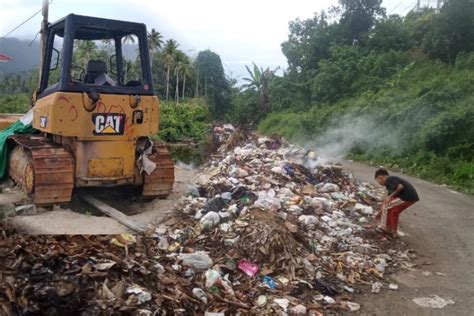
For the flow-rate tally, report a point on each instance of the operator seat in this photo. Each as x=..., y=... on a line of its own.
x=95, y=68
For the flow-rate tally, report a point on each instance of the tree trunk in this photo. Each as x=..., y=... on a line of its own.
x=196, y=93
x=167, y=82
x=176, y=92
x=184, y=85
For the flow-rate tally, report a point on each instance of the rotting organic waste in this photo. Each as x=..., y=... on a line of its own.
x=265, y=229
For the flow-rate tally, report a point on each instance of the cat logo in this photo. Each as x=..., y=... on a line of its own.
x=108, y=123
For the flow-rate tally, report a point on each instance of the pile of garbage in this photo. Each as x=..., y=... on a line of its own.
x=267, y=228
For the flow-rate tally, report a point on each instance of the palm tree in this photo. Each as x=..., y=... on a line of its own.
x=176, y=91
x=186, y=69
x=180, y=59
x=130, y=38
x=196, y=93
x=169, y=51
x=260, y=80
x=155, y=41
x=169, y=63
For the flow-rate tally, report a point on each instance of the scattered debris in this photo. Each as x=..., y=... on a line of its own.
x=351, y=306
x=210, y=220
x=140, y=295
x=282, y=302
x=266, y=228
x=27, y=209
x=329, y=300
x=269, y=282
x=214, y=314
x=433, y=301
x=393, y=287
x=262, y=300
x=200, y=294
x=376, y=287
x=298, y=310
x=248, y=268
x=200, y=260
x=123, y=240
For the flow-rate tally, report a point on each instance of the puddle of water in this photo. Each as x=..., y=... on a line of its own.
x=187, y=154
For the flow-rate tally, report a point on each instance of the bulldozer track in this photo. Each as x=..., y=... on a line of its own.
x=160, y=182
x=43, y=169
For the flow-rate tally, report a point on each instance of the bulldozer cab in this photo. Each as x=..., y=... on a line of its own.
x=87, y=54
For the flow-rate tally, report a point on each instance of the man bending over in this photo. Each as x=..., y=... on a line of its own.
x=397, y=188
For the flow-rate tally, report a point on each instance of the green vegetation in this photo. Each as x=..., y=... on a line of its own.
x=18, y=103
x=384, y=89
x=18, y=83
x=212, y=83
x=187, y=121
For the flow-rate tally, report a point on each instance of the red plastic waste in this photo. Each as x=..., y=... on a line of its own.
x=248, y=267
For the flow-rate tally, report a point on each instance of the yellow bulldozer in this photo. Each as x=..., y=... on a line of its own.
x=93, y=115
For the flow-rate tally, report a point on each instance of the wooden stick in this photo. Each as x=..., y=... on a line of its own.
x=239, y=304
x=114, y=213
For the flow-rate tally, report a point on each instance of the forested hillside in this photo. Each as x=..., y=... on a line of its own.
x=392, y=90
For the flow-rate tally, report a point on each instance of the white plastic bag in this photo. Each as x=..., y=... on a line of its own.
x=391, y=204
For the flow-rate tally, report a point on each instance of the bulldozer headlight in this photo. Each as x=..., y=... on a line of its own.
x=135, y=100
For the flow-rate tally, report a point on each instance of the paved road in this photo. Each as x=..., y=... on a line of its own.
x=440, y=228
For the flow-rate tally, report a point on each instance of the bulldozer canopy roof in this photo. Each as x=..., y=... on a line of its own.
x=91, y=28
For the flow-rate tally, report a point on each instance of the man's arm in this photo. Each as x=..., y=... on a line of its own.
x=395, y=193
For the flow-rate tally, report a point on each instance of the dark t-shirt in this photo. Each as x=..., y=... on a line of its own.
x=407, y=194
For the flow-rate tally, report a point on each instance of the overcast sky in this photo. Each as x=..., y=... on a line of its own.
x=240, y=31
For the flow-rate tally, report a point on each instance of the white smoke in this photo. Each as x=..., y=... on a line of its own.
x=350, y=133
